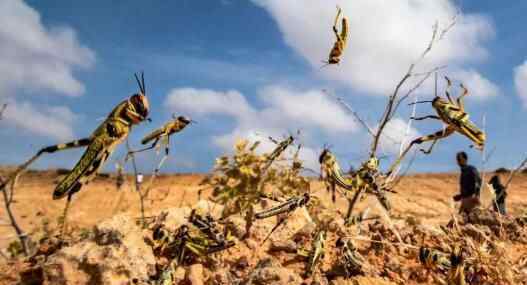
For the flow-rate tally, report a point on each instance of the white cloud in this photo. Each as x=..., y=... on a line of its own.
x=206, y=101
x=397, y=131
x=283, y=110
x=312, y=107
x=36, y=58
x=385, y=38
x=49, y=121
x=478, y=86
x=520, y=82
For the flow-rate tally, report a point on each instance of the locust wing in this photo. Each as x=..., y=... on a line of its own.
x=153, y=135
x=471, y=131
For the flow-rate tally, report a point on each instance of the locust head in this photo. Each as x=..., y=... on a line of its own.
x=325, y=155
x=183, y=120
x=139, y=106
x=372, y=164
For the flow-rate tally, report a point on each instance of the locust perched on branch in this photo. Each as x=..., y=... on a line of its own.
x=365, y=180
x=100, y=144
x=341, y=41
x=163, y=133
x=452, y=114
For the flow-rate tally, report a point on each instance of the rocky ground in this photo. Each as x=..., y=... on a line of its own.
x=106, y=244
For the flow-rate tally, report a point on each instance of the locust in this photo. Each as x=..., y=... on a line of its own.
x=208, y=226
x=456, y=274
x=184, y=244
x=163, y=133
x=289, y=206
x=99, y=145
x=281, y=146
x=317, y=251
x=453, y=115
x=341, y=41
x=432, y=258
x=352, y=261
x=364, y=180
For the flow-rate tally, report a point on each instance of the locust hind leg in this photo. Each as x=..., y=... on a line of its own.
x=49, y=149
x=130, y=153
x=416, y=141
x=64, y=216
x=459, y=99
x=434, y=137
x=425, y=117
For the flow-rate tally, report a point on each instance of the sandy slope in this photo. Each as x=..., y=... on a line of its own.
x=425, y=196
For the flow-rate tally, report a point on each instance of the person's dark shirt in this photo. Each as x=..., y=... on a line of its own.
x=469, y=181
x=500, y=192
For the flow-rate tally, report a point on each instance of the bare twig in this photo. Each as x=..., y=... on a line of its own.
x=8, y=199
x=137, y=185
x=355, y=114
x=22, y=236
x=2, y=110
x=516, y=170
x=391, y=106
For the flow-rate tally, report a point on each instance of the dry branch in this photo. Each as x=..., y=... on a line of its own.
x=22, y=236
x=137, y=185
x=8, y=199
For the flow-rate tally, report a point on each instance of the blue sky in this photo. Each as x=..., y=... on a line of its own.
x=251, y=68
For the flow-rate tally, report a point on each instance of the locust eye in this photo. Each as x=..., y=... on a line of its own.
x=141, y=104
x=322, y=156
x=184, y=119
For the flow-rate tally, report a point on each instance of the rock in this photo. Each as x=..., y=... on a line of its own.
x=116, y=255
x=176, y=217
x=209, y=207
x=195, y=274
x=221, y=277
x=236, y=225
x=306, y=231
x=179, y=275
x=270, y=272
x=288, y=246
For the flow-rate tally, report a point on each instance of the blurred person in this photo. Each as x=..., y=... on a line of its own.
x=469, y=185
x=501, y=194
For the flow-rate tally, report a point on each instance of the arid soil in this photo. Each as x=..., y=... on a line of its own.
x=425, y=198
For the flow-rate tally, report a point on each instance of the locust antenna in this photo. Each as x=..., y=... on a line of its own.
x=143, y=81
x=420, y=102
x=139, y=83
